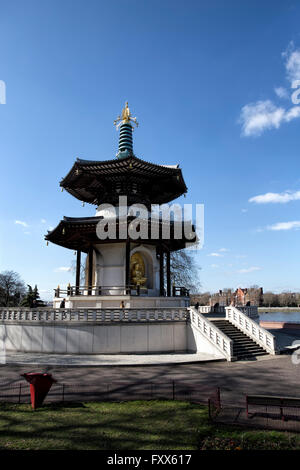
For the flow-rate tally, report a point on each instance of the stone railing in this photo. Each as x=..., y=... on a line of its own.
x=130, y=289
x=248, y=326
x=209, y=309
x=212, y=333
x=249, y=310
x=101, y=315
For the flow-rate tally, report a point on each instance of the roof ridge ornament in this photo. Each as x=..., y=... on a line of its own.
x=125, y=118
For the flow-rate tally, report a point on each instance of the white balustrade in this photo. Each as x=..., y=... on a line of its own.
x=212, y=333
x=249, y=310
x=252, y=329
x=101, y=315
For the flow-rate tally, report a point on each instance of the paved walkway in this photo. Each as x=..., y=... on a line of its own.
x=274, y=375
x=105, y=360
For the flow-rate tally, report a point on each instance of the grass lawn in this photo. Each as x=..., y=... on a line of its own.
x=136, y=425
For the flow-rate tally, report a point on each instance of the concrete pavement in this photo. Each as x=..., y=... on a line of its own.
x=273, y=375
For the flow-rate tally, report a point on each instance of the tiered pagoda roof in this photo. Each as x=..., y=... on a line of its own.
x=97, y=182
x=102, y=182
x=79, y=233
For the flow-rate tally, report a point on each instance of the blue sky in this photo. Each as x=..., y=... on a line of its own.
x=210, y=83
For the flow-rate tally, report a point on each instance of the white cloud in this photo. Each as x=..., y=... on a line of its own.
x=63, y=268
x=292, y=63
x=20, y=222
x=244, y=210
x=281, y=92
x=285, y=225
x=215, y=254
x=292, y=113
x=43, y=221
x=273, y=198
x=249, y=270
x=260, y=116
x=214, y=265
x=224, y=249
x=264, y=115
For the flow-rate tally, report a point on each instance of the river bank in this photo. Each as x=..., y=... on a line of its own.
x=278, y=309
x=283, y=315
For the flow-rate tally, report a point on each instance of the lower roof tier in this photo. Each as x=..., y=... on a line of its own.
x=80, y=233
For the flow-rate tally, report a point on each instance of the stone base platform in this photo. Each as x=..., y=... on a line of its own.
x=116, y=301
x=105, y=359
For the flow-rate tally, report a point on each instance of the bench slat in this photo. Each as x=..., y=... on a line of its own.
x=273, y=400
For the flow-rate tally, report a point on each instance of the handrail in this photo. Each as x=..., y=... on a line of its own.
x=211, y=332
x=129, y=289
x=98, y=290
x=249, y=310
x=99, y=315
x=252, y=329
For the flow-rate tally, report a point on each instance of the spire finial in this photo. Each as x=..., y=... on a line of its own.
x=125, y=118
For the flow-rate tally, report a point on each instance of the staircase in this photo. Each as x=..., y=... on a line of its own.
x=243, y=346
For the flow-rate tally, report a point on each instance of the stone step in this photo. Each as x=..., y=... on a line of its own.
x=247, y=355
x=250, y=350
x=245, y=341
x=247, y=345
x=243, y=346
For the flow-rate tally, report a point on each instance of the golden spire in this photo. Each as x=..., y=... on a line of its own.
x=125, y=118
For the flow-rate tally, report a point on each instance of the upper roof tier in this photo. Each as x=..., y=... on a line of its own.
x=98, y=182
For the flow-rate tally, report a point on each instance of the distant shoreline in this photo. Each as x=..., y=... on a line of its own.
x=278, y=309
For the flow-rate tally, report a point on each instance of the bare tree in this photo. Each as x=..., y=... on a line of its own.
x=184, y=270
x=270, y=299
x=202, y=298
x=12, y=289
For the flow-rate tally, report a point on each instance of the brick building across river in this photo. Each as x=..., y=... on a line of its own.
x=240, y=297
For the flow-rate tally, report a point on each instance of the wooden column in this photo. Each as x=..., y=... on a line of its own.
x=90, y=271
x=127, y=265
x=78, y=265
x=161, y=272
x=168, y=274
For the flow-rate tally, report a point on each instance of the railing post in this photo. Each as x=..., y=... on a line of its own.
x=20, y=389
x=219, y=397
x=78, y=265
x=209, y=409
x=90, y=269
x=168, y=274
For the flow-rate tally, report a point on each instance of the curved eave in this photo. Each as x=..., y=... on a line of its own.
x=86, y=179
x=80, y=233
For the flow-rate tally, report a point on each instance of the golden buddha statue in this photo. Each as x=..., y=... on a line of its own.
x=137, y=270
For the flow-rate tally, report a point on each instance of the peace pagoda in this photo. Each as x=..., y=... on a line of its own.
x=128, y=262
x=126, y=303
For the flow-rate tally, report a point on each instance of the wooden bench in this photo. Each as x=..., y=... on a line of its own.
x=271, y=400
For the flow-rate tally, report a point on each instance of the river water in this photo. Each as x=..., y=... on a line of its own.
x=291, y=317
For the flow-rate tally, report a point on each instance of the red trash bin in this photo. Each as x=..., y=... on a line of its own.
x=40, y=385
